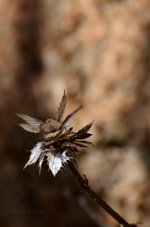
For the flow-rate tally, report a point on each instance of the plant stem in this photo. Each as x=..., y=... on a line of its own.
x=84, y=184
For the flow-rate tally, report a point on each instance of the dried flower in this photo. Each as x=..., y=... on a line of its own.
x=59, y=142
x=59, y=145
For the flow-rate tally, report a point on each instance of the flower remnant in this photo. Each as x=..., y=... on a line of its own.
x=59, y=143
x=58, y=146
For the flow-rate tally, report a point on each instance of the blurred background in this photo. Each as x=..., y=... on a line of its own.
x=99, y=52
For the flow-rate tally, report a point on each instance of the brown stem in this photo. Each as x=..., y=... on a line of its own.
x=84, y=184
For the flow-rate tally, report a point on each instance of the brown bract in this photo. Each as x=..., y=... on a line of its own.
x=59, y=142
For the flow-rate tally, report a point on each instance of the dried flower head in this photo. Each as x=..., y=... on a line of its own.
x=59, y=142
x=59, y=145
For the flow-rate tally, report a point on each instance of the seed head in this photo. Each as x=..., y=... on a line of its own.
x=59, y=143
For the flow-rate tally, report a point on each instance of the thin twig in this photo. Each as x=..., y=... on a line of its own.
x=82, y=201
x=84, y=184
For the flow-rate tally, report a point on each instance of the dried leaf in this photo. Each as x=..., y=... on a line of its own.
x=61, y=107
x=67, y=120
x=33, y=124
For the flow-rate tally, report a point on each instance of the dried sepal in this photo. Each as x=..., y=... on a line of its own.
x=50, y=135
x=32, y=124
x=85, y=142
x=62, y=107
x=29, y=128
x=82, y=133
x=84, y=136
x=72, y=147
x=68, y=119
x=81, y=144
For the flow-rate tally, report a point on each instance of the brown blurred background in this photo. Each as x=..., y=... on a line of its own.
x=99, y=51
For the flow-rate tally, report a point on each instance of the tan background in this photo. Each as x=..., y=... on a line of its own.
x=99, y=51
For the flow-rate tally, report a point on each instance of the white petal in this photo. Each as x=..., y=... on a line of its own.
x=35, y=153
x=56, y=162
